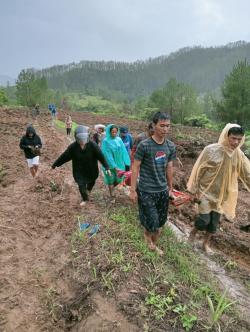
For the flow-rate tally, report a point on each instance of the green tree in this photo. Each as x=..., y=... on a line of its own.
x=3, y=98
x=178, y=99
x=31, y=90
x=235, y=103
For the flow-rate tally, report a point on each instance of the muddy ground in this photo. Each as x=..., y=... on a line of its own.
x=42, y=287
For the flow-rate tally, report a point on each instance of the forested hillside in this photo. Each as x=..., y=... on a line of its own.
x=203, y=68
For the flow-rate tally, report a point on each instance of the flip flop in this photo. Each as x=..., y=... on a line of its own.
x=95, y=229
x=84, y=226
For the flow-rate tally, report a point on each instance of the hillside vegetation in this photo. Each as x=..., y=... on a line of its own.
x=203, y=68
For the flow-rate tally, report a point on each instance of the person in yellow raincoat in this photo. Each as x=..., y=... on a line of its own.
x=214, y=181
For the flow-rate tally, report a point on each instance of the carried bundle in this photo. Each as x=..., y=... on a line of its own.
x=127, y=177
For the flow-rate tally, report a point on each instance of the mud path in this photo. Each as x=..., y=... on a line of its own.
x=36, y=224
x=41, y=287
x=34, y=231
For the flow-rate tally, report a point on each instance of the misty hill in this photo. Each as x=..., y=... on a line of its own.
x=203, y=68
x=4, y=80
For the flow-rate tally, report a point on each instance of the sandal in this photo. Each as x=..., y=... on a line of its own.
x=95, y=229
x=84, y=226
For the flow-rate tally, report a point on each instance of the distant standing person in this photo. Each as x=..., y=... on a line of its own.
x=214, y=181
x=99, y=134
x=53, y=111
x=126, y=138
x=31, y=144
x=85, y=155
x=68, y=124
x=154, y=161
x=37, y=108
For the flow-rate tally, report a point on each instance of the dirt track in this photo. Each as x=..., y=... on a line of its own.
x=38, y=217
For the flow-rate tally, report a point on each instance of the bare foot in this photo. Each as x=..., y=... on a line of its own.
x=112, y=199
x=83, y=203
x=207, y=249
x=159, y=251
x=192, y=234
x=152, y=246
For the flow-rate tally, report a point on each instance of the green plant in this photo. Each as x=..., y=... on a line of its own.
x=94, y=273
x=118, y=217
x=51, y=304
x=107, y=280
x=118, y=258
x=53, y=186
x=161, y=303
x=216, y=311
x=188, y=321
x=152, y=280
x=231, y=265
x=127, y=268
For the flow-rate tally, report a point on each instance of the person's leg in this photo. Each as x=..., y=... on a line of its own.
x=148, y=239
x=111, y=191
x=35, y=162
x=90, y=187
x=211, y=230
x=156, y=235
x=31, y=168
x=84, y=194
x=148, y=217
x=109, y=181
x=35, y=168
x=201, y=223
x=192, y=234
x=206, y=243
x=162, y=202
x=32, y=171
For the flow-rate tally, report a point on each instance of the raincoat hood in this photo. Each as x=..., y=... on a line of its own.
x=214, y=177
x=108, y=131
x=223, y=139
x=114, y=150
x=30, y=129
x=96, y=127
x=82, y=134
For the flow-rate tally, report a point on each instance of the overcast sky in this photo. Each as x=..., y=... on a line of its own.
x=42, y=33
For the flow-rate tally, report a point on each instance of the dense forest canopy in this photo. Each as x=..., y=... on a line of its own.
x=202, y=68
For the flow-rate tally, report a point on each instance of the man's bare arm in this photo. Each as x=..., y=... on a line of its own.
x=134, y=176
x=170, y=173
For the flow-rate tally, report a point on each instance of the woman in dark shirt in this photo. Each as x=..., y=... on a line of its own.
x=85, y=155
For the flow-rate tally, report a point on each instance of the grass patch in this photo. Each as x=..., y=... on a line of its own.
x=178, y=285
x=174, y=292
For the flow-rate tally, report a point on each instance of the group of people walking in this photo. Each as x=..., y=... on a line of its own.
x=213, y=181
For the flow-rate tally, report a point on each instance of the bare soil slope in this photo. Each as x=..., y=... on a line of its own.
x=42, y=285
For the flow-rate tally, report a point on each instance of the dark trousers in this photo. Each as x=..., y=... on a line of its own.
x=83, y=189
x=68, y=131
x=208, y=222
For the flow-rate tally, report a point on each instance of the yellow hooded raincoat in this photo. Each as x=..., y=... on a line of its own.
x=214, y=177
